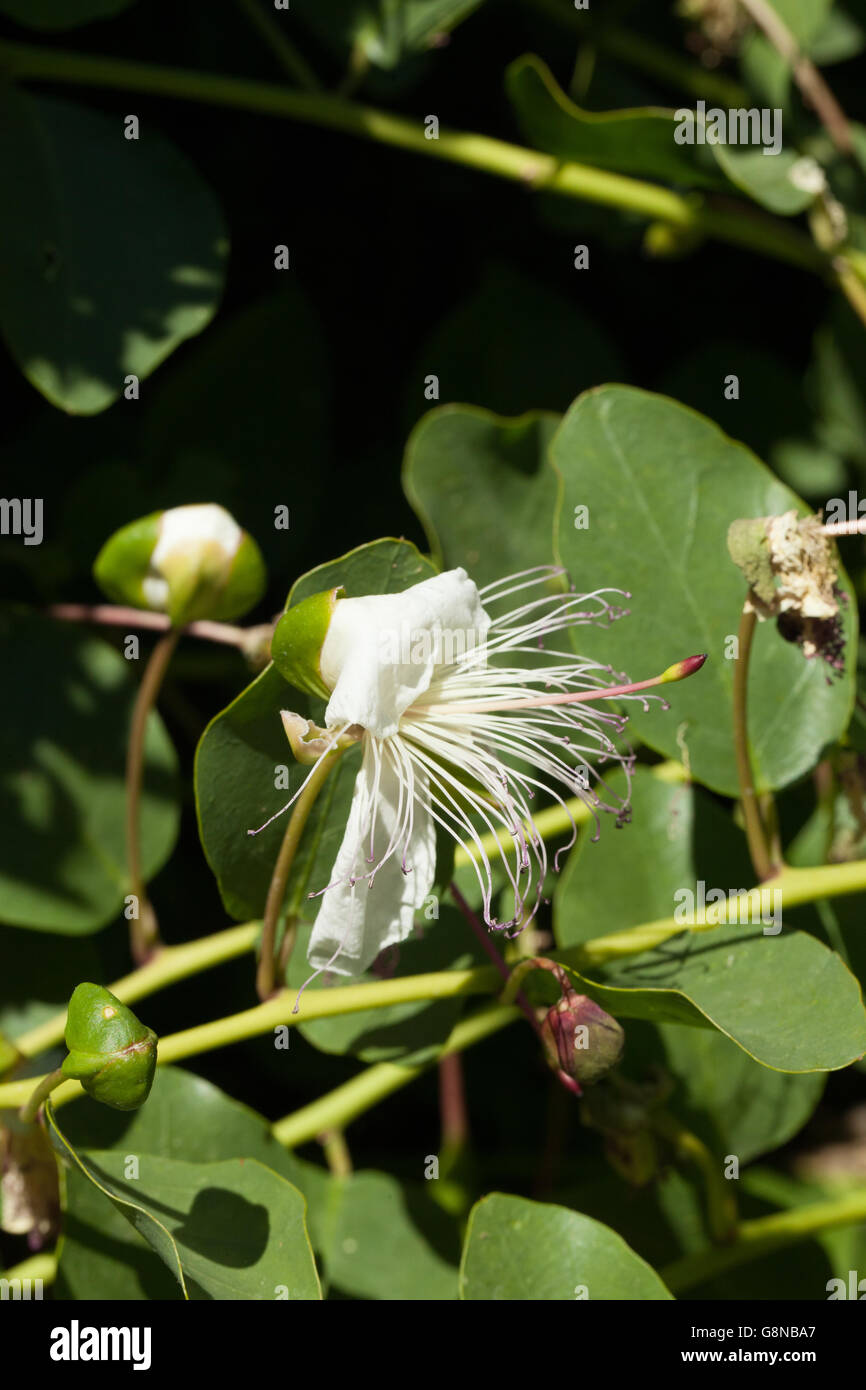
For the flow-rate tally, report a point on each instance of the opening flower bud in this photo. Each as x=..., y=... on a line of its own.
x=111, y=1053
x=296, y=646
x=308, y=742
x=189, y=562
x=580, y=1039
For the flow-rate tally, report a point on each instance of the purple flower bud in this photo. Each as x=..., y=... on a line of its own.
x=580, y=1039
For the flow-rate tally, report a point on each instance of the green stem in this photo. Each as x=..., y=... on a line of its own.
x=266, y=975
x=347, y=1102
x=800, y=886
x=325, y=1003
x=746, y=228
x=143, y=928
x=336, y=1151
x=756, y=835
x=285, y=51
x=763, y=1235
x=43, y=1089
x=797, y=886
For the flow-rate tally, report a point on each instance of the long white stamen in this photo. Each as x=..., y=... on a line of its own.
x=501, y=588
x=341, y=729
x=439, y=776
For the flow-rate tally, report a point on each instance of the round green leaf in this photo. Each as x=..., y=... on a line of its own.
x=232, y=1230
x=376, y=1237
x=466, y=470
x=186, y=1117
x=114, y=251
x=637, y=141
x=641, y=141
x=101, y=1255
x=735, y=1105
x=662, y=485
x=376, y=1246
x=521, y=1250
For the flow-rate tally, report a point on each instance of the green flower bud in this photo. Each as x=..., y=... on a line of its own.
x=111, y=1053
x=189, y=562
x=580, y=1039
x=296, y=646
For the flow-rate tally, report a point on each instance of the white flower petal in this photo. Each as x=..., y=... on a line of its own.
x=356, y=922
x=156, y=592
x=381, y=652
x=184, y=528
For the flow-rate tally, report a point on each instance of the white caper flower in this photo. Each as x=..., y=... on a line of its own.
x=464, y=718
